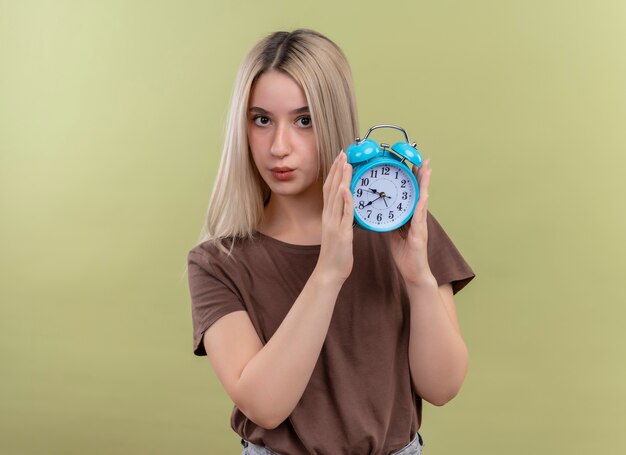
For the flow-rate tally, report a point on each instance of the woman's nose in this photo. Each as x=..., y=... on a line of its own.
x=280, y=144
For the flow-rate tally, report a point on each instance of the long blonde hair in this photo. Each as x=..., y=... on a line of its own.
x=319, y=66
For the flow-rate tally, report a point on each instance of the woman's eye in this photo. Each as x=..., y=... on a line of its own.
x=305, y=122
x=261, y=120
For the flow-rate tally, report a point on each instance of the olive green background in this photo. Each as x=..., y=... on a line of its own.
x=112, y=116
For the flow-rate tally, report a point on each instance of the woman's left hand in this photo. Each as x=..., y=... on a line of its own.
x=408, y=243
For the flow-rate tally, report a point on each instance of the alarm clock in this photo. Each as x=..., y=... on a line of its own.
x=384, y=188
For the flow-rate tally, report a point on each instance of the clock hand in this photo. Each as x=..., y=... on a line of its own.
x=381, y=195
x=374, y=200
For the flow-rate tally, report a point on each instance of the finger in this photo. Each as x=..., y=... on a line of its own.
x=425, y=181
x=422, y=204
x=348, y=203
x=344, y=184
x=417, y=229
x=336, y=181
x=424, y=168
x=329, y=181
x=348, y=210
x=338, y=177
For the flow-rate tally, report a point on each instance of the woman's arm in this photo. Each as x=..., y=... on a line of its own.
x=438, y=356
x=266, y=382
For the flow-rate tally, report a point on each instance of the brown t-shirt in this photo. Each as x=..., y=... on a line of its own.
x=359, y=399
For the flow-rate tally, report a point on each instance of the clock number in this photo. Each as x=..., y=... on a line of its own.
x=379, y=217
x=404, y=195
x=374, y=173
x=369, y=212
x=385, y=170
x=359, y=192
x=397, y=174
x=361, y=204
x=365, y=181
x=399, y=207
x=403, y=184
x=391, y=214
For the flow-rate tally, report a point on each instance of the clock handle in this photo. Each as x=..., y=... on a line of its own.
x=375, y=127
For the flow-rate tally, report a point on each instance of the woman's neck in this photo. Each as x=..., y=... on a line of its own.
x=294, y=219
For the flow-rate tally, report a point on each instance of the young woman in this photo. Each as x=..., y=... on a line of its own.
x=325, y=336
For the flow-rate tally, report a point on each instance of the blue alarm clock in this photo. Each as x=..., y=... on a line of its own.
x=384, y=188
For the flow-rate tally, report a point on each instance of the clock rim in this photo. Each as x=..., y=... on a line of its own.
x=378, y=162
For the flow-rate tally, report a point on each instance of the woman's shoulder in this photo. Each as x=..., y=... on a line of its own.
x=221, y=249
x=220, y=258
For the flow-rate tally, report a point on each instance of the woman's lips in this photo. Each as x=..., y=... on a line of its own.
x=282, y=173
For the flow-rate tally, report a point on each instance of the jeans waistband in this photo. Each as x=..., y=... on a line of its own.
x=412, y=448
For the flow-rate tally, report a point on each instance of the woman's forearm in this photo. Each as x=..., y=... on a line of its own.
x=274, y=380
x=438, y=356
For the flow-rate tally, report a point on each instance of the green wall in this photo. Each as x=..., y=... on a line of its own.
x=111, y=122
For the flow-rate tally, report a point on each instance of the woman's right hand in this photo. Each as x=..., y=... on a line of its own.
x=336, y=259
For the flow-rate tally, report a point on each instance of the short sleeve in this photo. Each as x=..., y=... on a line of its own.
x=445, y=260
x=212, y=296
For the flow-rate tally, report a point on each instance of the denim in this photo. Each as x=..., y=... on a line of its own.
x=412, y=448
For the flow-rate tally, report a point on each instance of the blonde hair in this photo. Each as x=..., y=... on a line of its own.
x=319, y=66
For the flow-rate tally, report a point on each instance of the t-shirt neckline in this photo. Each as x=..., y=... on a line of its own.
x=290, y=246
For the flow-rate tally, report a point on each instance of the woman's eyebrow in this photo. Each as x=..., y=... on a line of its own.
x=261, y=111
x=257, y=110
x=300, y=110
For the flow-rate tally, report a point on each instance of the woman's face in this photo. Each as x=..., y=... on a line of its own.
x=281, y=137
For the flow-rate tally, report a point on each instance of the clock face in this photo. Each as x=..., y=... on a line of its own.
x=384, y=196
